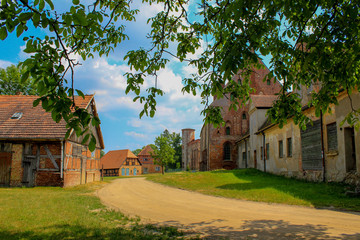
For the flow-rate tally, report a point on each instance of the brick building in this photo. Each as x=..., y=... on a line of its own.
x=147, y=161
x=34, y=150
x=190, y=150
x=218, y=145
x=120, y=163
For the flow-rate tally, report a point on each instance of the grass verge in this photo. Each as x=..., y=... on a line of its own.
x=254, y=185
x=70, y=213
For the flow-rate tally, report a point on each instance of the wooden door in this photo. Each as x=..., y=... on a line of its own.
x=123, y=171
x=127, y=172
x=135, y=171
x=29, y=164
x=5, y=168
x=311, y=146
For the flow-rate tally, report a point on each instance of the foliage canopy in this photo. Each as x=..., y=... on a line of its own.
x=306, y=41
x=11, y=84
x=162, y=151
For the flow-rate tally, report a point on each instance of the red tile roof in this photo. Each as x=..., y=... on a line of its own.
x=114, y=159
x=35, y=123
x=263, y=100
x=145, y=151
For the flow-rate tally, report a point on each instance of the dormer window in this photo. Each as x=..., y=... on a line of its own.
x=17, y=115
x=244, y=116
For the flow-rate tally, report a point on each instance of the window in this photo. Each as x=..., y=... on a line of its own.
x=227, y=130
x=244, y=116
x=332, y=136
x=157, y=168
x=93, y=154
x=76, y=151
x=281, y=149
x=145, y=159
x=244, y=156
x=227, y=149
x=17, y=115
x=268, y=82
x=289, y=147
x=262, y=153
x=267, y=151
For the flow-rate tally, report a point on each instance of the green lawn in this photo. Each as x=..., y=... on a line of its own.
x=70, y=213
x=254, y=185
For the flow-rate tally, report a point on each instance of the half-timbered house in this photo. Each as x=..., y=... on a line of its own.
x=120, y=163
x=34, y=150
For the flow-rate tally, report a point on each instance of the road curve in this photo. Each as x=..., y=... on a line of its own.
x=216, y=217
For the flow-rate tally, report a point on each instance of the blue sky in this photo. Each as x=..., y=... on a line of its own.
x=120, y=123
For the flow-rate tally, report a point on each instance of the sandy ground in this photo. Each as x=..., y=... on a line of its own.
x=219, y=218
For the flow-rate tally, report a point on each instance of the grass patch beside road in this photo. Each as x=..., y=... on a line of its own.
x=70, y=213
x=254, y=185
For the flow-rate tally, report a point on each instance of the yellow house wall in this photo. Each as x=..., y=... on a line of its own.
x=287, y=165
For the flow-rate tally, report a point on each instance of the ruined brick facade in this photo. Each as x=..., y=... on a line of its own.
x=190, y=150
x=218, y=145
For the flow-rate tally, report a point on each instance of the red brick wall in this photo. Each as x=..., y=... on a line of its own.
x=149, y=163
x=48, y=179
x=234, y=119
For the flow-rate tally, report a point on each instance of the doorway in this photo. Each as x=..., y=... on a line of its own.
x=255, y=160
x=5, y=168
x=350, y=155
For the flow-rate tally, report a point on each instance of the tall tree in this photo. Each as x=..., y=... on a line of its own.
x=137, y=151
x=306, y=41
x=175, y=142
x=163, y=153
x=11, y=82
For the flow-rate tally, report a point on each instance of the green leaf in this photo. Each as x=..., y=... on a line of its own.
x=50, y=4
x=36, y=19
x=76, y=2
x=92, y=143
x=86, y=138
x=80, y=93
x=25, y=76
x=36, y=102
x=41, y=5
x=19, y=30
x=3, y=33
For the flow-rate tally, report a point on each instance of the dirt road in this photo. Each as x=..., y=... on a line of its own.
x=216, y=217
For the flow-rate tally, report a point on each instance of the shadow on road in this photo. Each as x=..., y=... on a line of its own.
x=261, y=229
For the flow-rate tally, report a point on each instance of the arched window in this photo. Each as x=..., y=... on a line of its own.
x=244, y=115
x=227, y=151
x=227, y=130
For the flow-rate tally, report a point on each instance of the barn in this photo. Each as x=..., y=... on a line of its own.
x=34, y=150
x=120, y=163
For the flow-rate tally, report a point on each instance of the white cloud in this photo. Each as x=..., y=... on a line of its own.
x=107, y=102
x=136, y=135
x=5, y=64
